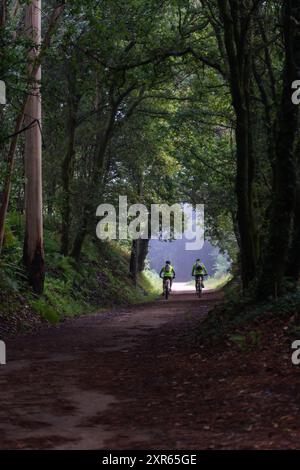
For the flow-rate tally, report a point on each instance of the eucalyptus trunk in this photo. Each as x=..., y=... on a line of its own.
x=33, y=253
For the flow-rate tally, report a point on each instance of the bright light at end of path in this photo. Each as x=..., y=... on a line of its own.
x=183, y=287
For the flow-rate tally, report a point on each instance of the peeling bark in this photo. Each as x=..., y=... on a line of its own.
x=33, y=255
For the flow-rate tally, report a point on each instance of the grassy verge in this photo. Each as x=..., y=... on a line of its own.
x=99, y=281
x=214, y=282
x=217, y=282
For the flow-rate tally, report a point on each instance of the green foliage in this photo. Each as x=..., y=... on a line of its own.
x=147, y=83
x=221, y=266
x=151, y=282
x=46, y=311
x=248, y=341
x=217, y=281
x=12, y=273
x=98, y=281
x=239, y=340
x=241, y=311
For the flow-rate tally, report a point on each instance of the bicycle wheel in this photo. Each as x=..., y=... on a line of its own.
x=200, y=290
x=167, y=289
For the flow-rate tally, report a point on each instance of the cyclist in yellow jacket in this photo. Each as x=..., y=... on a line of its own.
x=199, y=270
x=167, y=272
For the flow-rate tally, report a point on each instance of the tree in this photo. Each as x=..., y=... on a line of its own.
x=285, y=182
x=33, y=254
x=237, y=20
x=35, y=56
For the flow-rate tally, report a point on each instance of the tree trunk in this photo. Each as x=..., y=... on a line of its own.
x=133, y=266
x=101, y=163
x=68, y=166
x=96, y=186
x=293, y=264
x=33, y=254
x=81, y=234
x=284, y=187
x=293, y=267
x=139, y=251
x=8, y=178
x=50, y=196
x=142, y=254
x=3, y=8
x=58, y=10
x=237, y=38
x=244, y=192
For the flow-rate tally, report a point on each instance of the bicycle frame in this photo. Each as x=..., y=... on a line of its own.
x=167, y=287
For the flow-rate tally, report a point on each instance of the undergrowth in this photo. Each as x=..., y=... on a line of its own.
x=238, y=313
x=100, y=280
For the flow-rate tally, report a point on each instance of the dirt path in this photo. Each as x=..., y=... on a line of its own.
x=134, y=379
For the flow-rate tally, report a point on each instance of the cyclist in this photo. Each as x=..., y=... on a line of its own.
x=199, y=271
x=167, y=272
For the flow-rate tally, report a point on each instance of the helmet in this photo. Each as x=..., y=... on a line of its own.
x=168, y=262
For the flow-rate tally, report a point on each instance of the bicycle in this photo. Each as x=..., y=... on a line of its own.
x=167, y=287
x=199, y=281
